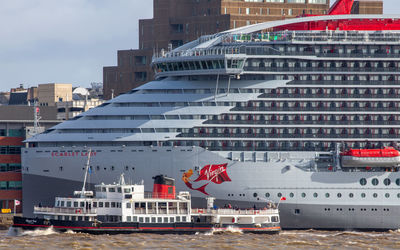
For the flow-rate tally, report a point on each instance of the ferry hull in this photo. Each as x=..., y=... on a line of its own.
x=136, y=227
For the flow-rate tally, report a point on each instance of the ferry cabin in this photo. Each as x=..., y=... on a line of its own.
x=120, y=203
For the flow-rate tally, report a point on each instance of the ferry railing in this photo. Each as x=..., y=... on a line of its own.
x=227, y=211
x=64, y=210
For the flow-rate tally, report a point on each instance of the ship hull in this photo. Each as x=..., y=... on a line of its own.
x=349, y=205
x=137, y=227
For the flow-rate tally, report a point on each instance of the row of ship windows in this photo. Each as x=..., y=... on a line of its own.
x=327, y=195
x=156, y=219
x=375, y=181
x=361, y=209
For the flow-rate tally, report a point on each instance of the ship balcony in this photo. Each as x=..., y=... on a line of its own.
x=331, y=83
x=304, y=122
x=326, y=70
x=245, y=136
x=64, y=211
x=315, y=109
x=160, y=211
x=327, y=95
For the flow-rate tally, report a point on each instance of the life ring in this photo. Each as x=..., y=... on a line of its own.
x=233, y=220
x=78, y=211
x=200, y=211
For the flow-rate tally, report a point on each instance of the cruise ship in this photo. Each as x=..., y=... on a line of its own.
x=266, y=112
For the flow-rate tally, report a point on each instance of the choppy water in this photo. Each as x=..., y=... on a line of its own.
x=311, y=239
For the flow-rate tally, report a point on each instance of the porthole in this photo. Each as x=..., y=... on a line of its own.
x=375, y=181
x=255, y=195
x=386, y=182
x=303, y=195
x=363, y=182
x=398, y=182
x=315, y=195
x=363, y=195
x=291, y=195
x=339, y=195
x=279, y=195
x=267, y=195
x=327, y=195
x=351, y=195
x=398, y=195
x=387, y=195
x=375, y=195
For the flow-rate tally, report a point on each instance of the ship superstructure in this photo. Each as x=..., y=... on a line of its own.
x=267, y=105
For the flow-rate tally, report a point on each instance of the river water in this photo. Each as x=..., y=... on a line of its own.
x=310, y=239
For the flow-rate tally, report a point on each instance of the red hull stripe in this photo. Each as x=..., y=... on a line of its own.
x=143, y=228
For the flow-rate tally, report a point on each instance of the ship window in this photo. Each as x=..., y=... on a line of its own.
x=119, y=190
x=82, y=204
x=159, y=219
x=147, y=220
x=387, y=195
x=339, y=195
x=107, y=204
x=103, y=189
x=127, y=190
x=178, y=219
x=255, y=195
x=68, y=204
x=111, y=190
x=363, y=195
x=128, y=218
x=327, y=195
x=351, y=195
x=94, y=204
x=62, y=203
x=398, y=195
x=375, y=195
x=375, y=181
x=297, y=211
x=267, y=195
x=398, y=182
x=171, y=219
x=100, y=204
x=315, y=195
x=128, y=205
x=386, y=181
x=303, y=195
x=140, y=219
x=279, y=195
x=75, y=204
x=165, y=219
x=363, y=182
x=291, y=195
x=153, y=219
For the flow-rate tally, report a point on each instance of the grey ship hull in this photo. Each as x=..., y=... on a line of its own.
x=251, y=183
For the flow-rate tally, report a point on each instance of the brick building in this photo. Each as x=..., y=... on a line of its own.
x=177, y=22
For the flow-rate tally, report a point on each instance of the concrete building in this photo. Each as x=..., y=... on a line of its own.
x=177, y=22
x=51, y=93
x=68, y=110
x=16, y=125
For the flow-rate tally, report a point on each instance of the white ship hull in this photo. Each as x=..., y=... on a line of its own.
x=47, y=175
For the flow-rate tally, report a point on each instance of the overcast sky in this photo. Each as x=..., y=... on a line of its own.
x=69, y=41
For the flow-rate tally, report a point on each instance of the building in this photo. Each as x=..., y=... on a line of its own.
x=16, y=125
x=70, y=109
x=51, y=93
x=177, y=22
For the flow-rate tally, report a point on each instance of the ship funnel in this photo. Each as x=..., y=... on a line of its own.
x=164, y=187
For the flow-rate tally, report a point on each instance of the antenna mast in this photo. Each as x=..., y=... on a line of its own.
x=83, y=193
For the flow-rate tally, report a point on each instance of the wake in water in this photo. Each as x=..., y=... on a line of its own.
x=228, y=230
x=34, y=233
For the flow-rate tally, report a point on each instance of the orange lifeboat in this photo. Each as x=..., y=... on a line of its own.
x=386, y=157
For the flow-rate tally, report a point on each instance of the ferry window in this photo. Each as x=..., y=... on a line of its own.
x=279, y=194
x=315, y=195
x=255, y=195
x=375, y=195
x=147, y=220
x=398, y=195
x=363, y=182
x=111, y=190
x=327, y=195
x=75, y=204
x=165, y=219
x=159, y=219
x=398, y=182
x=291, y=195
x=276, y=218
x=98, y=168
x=94, y=204
x=363, y=195
x=267, y=195
x=69, y=204
x=178, y=219
x=171, y=219
x=351, y=195
x=183, y=219
x=387, y=195
x=339, y=195
x=127, y=190
x=128, y=218
x=386, y=182
x=128, y=196
x=100, y=204
x=82, y=204
x=119, y=190
x=80, y=218
x=113, y=204
x=375, y=181
x=134, y=219
x=297, y=211
x=62, y=203
x=107, y=204
x=128, y=205
x=140, y=219
x=103, y=189
x=153, y=219
x=303, y=195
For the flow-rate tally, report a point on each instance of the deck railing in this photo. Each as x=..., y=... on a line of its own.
x=64, y=210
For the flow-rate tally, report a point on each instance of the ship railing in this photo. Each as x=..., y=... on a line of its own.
x=160, y=211
x=215, y=51
x=64, y=210
x=227, y=211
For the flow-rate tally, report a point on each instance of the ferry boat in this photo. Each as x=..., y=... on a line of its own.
x=125, y=208
x=250, y=114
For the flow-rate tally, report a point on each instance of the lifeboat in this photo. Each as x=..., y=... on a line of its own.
x=386, y=157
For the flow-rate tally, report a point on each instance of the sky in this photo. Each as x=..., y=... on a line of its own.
x=70, y=41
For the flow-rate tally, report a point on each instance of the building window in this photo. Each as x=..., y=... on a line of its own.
x=247, y=11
